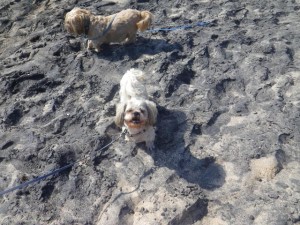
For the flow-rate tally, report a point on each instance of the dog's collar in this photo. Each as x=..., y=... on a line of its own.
x=105, y=30
x=86, y=26
x=134, y=135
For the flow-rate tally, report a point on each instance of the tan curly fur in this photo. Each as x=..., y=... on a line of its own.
x=124, y=27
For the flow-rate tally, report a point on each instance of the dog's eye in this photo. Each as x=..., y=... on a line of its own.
x=142, y=111
x=129, y=111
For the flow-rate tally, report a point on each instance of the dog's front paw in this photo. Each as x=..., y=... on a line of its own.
x=150, y=145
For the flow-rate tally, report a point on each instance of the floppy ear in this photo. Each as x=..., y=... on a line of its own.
x=119, y=119
x=76, y=21
x=152, y=112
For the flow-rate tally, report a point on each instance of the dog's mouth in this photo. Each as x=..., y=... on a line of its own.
x=136, y=121
x=135, y=118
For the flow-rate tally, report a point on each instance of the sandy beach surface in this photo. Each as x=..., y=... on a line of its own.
x=227, y=148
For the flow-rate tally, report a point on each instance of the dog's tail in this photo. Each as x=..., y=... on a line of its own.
x=146, y=20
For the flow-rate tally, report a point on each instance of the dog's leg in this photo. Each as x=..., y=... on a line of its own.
x=90, y=45
x=98, y=46
x=150, y=138
x=131, y=38
x=93, y=45
x=150, y=145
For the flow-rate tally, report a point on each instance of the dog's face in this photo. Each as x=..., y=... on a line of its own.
x=76, y=21
x=136, y=114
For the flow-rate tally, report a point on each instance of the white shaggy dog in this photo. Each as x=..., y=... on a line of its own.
x=135, y=112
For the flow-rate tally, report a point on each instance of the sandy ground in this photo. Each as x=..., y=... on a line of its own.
x=228, y=96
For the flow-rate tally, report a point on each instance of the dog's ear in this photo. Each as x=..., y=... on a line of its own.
x=120, y=112
x=68, y=25
x=152, y=112
x=80, y=22
x=76, y=21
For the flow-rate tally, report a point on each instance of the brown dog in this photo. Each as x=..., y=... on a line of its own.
x=119, y=27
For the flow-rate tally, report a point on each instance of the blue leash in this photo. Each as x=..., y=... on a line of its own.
x=36, y=179
x=105, y=30
x=51, y=173
x=184, y=27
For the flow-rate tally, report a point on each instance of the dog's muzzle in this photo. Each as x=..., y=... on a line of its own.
x=136, y=118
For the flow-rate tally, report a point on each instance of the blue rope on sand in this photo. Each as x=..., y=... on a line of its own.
x=53, y=172
x=184, y=27
x=36, y=179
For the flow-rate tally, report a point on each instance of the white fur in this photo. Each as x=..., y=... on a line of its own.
x=134, y=100
x=131, y=85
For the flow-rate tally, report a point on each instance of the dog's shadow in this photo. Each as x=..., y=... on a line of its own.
x=171, y=152
x=142, y=46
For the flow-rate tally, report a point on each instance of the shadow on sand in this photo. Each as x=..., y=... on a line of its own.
x=171, y=152
x=142, y=46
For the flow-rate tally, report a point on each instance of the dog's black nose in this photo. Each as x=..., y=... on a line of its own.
x=136, y=113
